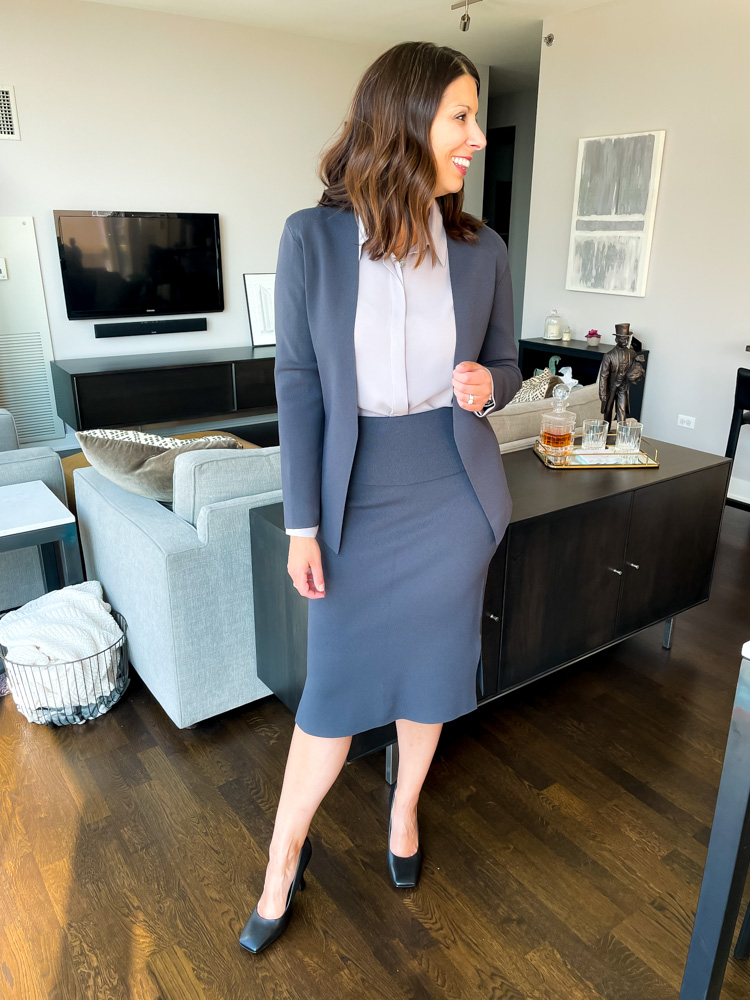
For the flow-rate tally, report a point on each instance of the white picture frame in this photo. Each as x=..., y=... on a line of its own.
x=614, y=205
x=259, y=292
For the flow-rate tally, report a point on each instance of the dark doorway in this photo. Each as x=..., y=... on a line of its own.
x=498, y=178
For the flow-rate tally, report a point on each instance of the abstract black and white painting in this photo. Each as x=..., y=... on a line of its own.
x=617, y=181
x=259, y=289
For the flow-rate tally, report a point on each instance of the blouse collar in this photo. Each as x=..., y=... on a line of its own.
x=437, y=232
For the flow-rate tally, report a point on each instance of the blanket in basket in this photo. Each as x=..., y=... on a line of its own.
x=57, y=650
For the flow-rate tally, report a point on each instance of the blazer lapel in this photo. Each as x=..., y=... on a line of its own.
x=458, y=262
x=343, y=316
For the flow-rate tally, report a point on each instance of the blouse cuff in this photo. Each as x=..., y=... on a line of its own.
x=487, y=409
x=303, y=532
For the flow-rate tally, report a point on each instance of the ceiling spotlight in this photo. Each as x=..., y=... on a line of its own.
x=465, y=20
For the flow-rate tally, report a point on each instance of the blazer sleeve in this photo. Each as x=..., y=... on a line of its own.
x=299, y=396
x=499, y=352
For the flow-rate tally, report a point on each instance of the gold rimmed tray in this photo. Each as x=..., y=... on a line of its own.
x=607, y=459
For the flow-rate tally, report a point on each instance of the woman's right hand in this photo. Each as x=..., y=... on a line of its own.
x=305, y=566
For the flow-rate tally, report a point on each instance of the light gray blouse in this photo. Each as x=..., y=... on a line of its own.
x=404, y=333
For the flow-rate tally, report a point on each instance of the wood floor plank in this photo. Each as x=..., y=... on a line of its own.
x=564, y=827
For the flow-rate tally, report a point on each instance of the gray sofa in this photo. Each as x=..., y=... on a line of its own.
x=21, y=576
x=183, y=577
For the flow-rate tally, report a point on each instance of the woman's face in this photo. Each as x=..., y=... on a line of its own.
x=455, y=134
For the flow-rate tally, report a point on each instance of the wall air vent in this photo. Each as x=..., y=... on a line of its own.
x=8, y=114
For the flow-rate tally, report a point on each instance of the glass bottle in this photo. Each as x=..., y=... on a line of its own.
x=553, y=326
x=558, y=426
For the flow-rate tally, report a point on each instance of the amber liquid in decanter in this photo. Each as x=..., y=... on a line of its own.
x=557, y=437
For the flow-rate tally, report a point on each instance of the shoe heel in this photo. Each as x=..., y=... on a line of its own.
x=302, y=882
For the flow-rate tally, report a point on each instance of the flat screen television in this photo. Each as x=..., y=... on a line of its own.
x=139, y=263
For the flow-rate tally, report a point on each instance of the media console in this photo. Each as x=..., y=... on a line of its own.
x=149, y=388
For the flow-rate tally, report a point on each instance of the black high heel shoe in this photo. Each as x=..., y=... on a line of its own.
x=259, y=931
x=404, y=871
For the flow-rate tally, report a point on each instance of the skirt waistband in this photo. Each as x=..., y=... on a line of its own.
x=410, y=448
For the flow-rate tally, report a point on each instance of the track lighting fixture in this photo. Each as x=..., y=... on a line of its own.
x=465, y=20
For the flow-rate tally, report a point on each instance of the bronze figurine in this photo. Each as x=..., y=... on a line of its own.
x=620, y=366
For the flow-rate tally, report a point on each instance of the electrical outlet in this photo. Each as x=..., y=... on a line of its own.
x=683, y=421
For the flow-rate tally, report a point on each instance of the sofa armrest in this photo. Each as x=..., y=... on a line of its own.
x=185, y=593
x=148, y=519
x=26, y=465
x=8, y=431
x=203, y=478
x=229, y=518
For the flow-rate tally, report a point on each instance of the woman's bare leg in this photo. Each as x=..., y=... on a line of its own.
x=417, y=742
x=312, y=766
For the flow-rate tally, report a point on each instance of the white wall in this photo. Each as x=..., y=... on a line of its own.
x=518, y=109
x=126, y=109
x=682, y=66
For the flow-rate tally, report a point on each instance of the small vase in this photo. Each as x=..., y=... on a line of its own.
x=593, y=341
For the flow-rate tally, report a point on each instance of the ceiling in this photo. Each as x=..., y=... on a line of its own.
x=503, y=34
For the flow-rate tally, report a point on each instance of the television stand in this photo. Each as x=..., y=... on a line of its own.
x=137, y=389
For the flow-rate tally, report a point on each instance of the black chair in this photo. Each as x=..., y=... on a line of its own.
x=741, y=412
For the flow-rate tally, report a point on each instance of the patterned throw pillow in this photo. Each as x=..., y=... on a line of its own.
x=142, y=463
x=533, y=388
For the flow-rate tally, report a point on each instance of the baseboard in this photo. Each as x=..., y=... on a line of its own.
x=739, y=490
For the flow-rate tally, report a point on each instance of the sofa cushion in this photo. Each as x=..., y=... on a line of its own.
x=534, y=388
x=522, y=421
x=142, y=463
x=215, y=477
x=79, y=461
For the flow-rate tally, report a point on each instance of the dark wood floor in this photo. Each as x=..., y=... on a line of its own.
x=564, y=829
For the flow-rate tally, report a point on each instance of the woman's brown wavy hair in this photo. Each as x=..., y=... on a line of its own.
x=381, y=166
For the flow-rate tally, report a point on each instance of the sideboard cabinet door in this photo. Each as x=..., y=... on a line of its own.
x=674, y=527
x=562, y=588
x=492, y=616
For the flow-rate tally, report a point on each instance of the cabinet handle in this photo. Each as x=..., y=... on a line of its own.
x=634, y=565
x=618, y=571
x=495, y=618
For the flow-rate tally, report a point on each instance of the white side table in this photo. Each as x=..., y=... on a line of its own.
x=31, y=514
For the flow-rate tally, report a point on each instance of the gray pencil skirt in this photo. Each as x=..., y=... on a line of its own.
x=398, y=633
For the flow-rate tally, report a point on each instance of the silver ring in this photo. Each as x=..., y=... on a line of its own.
x=471, y=399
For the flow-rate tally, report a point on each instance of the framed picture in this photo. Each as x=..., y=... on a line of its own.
x=260, y=312
x=617, y=181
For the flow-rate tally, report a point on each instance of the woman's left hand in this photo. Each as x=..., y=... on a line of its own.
x=469, y=377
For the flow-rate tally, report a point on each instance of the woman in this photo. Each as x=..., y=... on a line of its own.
x=395, y=500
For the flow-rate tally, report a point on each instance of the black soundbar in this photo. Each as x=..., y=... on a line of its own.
x=148, y=326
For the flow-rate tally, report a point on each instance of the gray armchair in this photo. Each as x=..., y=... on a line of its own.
x=21, y=575
x=183, y=577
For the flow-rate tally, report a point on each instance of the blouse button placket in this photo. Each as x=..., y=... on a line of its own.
x=400, y=394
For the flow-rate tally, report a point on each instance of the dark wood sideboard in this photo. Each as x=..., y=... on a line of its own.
x=140, y=389
x=589, y=558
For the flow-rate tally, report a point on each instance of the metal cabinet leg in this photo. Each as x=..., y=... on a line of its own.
x=391, y=762
x=742, y=948
x=668, y=627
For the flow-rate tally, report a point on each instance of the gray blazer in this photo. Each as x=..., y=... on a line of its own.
x=317, y=277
